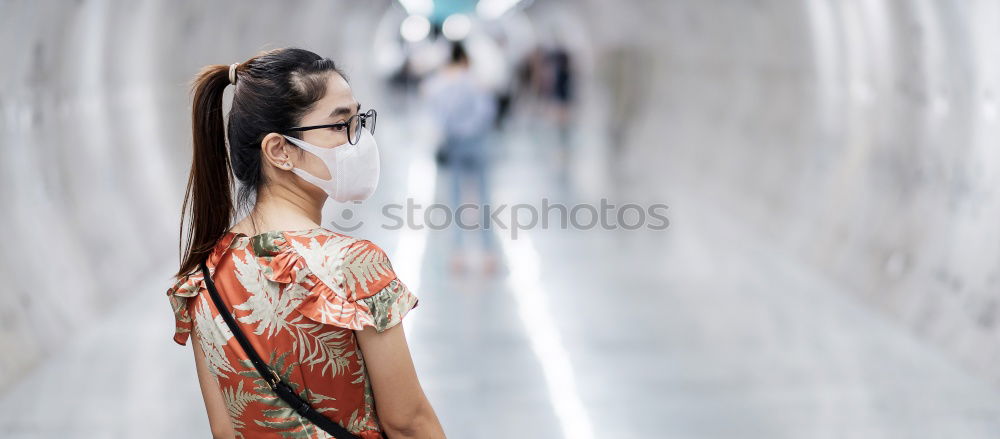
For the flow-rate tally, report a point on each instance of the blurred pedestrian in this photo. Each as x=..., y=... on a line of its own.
x=465, y=111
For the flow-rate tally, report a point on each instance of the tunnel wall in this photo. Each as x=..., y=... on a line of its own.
x=95, y=110
x=858, y=137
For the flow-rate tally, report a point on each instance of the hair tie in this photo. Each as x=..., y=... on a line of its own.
x=232, y=73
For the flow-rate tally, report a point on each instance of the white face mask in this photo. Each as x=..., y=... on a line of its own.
x=354, y=169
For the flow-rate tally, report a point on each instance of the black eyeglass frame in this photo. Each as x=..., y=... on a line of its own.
x=363, y=119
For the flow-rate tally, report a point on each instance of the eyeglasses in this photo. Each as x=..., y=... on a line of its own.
x=353, y=126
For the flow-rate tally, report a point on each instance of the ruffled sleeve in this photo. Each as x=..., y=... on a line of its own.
x=388, y=306
x=188, y=286
x=350, y=282
x=185, y=287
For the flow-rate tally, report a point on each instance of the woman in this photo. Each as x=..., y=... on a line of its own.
x=321, y=308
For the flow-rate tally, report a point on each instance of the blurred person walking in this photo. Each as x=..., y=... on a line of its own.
x=562, y=98
x=297, y=327
x=465, y=112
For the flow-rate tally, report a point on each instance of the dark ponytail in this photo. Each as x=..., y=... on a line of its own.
x=274, y=90
x=208, y=198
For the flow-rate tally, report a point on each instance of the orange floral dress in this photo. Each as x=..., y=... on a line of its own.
x=298, y=296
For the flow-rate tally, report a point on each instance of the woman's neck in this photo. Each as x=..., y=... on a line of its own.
x=277, y=210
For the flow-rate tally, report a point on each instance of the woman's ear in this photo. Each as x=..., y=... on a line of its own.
x=276, y=150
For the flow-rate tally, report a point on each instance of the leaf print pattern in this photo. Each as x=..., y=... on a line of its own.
x=325, y=260
x=213, y=334
x=236, y=403
x=299, y=296
x=389, y=305
x=363, y=265
x=316, y=344
x=266, y=306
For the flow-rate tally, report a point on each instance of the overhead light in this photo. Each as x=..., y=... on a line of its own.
x=493, y=9
x=456, y=27
x=418, y=7
x=415, y=28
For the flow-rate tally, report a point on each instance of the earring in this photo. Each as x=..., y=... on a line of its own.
x=287, y=166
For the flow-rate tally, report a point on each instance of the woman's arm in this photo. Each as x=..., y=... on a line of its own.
x=400, y=402
x=218, y=414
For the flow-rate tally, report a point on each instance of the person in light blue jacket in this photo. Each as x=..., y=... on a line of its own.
x=465, y=111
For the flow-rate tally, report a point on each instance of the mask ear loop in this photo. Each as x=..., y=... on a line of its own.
x=308, y=147
x=319, y=153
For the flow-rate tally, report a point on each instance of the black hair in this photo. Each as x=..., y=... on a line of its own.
x=273, y=91
x=458, y=53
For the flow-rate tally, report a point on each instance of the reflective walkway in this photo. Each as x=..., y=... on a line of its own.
x=700, y=331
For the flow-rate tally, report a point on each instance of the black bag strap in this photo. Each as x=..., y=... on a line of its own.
x=279, y=387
